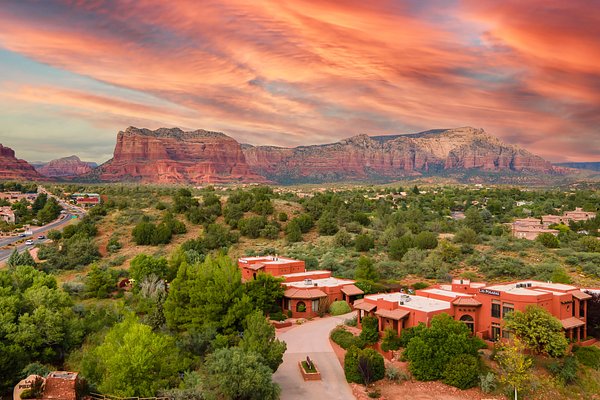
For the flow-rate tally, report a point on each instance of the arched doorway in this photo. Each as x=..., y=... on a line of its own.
x=300, y=306
x=468, y=320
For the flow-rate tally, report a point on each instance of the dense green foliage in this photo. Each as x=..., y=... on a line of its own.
x=363, y=366
x=431, y=349
x=339, y=308
x=462, y=371
x=539, y=330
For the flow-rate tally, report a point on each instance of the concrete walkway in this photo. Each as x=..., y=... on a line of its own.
x=312, y=339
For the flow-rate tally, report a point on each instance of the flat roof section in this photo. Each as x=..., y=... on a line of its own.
x=443, y=292
x=413, y=302
x=325, y=282
x=306, y=273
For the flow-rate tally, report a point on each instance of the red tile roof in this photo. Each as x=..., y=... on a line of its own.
x=296, y=293
x=351, y=290
x=571, y=322
x=362, y=304
x=578, y=294
x=396, y=314
x=466, y=301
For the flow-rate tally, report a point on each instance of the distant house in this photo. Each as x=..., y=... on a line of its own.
x=7, y=214
x=530, y=228
x=86, y=199
x=568, y=216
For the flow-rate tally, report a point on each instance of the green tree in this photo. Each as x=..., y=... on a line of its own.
x=292, y=232
x=342, y=238
x=466, y=235
x=514, y=365
x=252, y=226
x=426, y=240
x=462, y=371
x=539, y=330
x=365, y=270
x=429, y=350
x=144, y=265
x=207, y=295
x=236, y=374
x=370, y=329
x=265, y=292
x=134, y=361
x=143, y=233
x=327, y=224
x=474, y=220
x=364, y=242
x=259, y=337
x=391, y=340
x=99, y=282
x=398, y=247
x=548, y=240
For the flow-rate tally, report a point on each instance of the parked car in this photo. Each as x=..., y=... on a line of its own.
x=29, y=242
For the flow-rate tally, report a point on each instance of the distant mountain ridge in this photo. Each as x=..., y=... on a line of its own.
x=363, y=157
x=590, y=165
x=12, y=168
x=66, y=167
x=171, y=156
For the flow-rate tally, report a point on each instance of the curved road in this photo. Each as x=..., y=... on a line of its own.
x=312, y=339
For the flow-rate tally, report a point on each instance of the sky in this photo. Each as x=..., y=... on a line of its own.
x=287, y=73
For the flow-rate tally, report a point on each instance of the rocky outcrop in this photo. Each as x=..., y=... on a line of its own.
x=391, y=157
x=67, y=167
x=174, y=156
x=12, y=168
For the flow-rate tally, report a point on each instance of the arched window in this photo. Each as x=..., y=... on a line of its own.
x=300, y=306
x=467, y=319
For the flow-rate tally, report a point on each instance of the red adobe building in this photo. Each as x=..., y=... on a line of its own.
x=481, y=307
x=272, y=265
x=305, y=290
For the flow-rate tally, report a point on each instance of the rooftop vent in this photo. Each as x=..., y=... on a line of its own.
x=308, y=282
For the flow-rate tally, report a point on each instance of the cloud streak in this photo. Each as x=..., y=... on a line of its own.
x=300, y=71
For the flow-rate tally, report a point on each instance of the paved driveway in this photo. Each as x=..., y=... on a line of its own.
x=312, y=339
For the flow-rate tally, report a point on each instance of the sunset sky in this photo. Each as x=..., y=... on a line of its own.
x=74, y=73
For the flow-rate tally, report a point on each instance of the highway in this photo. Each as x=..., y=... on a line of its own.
x=71, y=213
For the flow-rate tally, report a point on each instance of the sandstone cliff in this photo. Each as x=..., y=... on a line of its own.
x=66, y=167
x=174, y=156
x=390, y=157
x=12, y=168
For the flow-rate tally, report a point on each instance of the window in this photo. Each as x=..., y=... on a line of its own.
x=315, y=305
x=581, y=309
x=495, y=332
x=495, y=309
x=507, y=334
x=468, y=320
x=507, y=308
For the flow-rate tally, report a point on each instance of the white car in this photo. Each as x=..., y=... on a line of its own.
x=29, y=242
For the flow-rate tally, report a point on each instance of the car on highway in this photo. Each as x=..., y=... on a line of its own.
x=41, y=237
x=22, y=235
x=29, y=242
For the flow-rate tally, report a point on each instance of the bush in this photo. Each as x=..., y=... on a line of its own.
x=487, y=382
x=588, y=356
x=277, y=316
x=395, y=374
x=548, y=240
x=363, y=366
x=339, y=308
x=345, y=339
x=351, y=321
x=364, y=242
x=375, y=394
x=462, y=371
x=565, y=370
x=391, y=340
x=370, y=329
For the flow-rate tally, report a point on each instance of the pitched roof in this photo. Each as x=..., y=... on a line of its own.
x=351, y=290
x=361, y=304
x=571, y=322
x=295, y=293
x=466, y=301
x=255, y=267
x=396, y=314
x=578, y=294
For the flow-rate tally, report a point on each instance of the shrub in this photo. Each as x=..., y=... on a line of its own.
x=364, y=242
x=426, y=240
x=420, y=285
x=282, y=217
x=565, y=370
x=370, y=327
x=391, y=340
x=548, y=240
x=487, y=382
x=375, y=394
x=339, y=308
x=588, y=356
x=277, y=316
x=351, y=321
x=395, y=374
x=363, y=366
x=345, y=339
x=462, y=371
